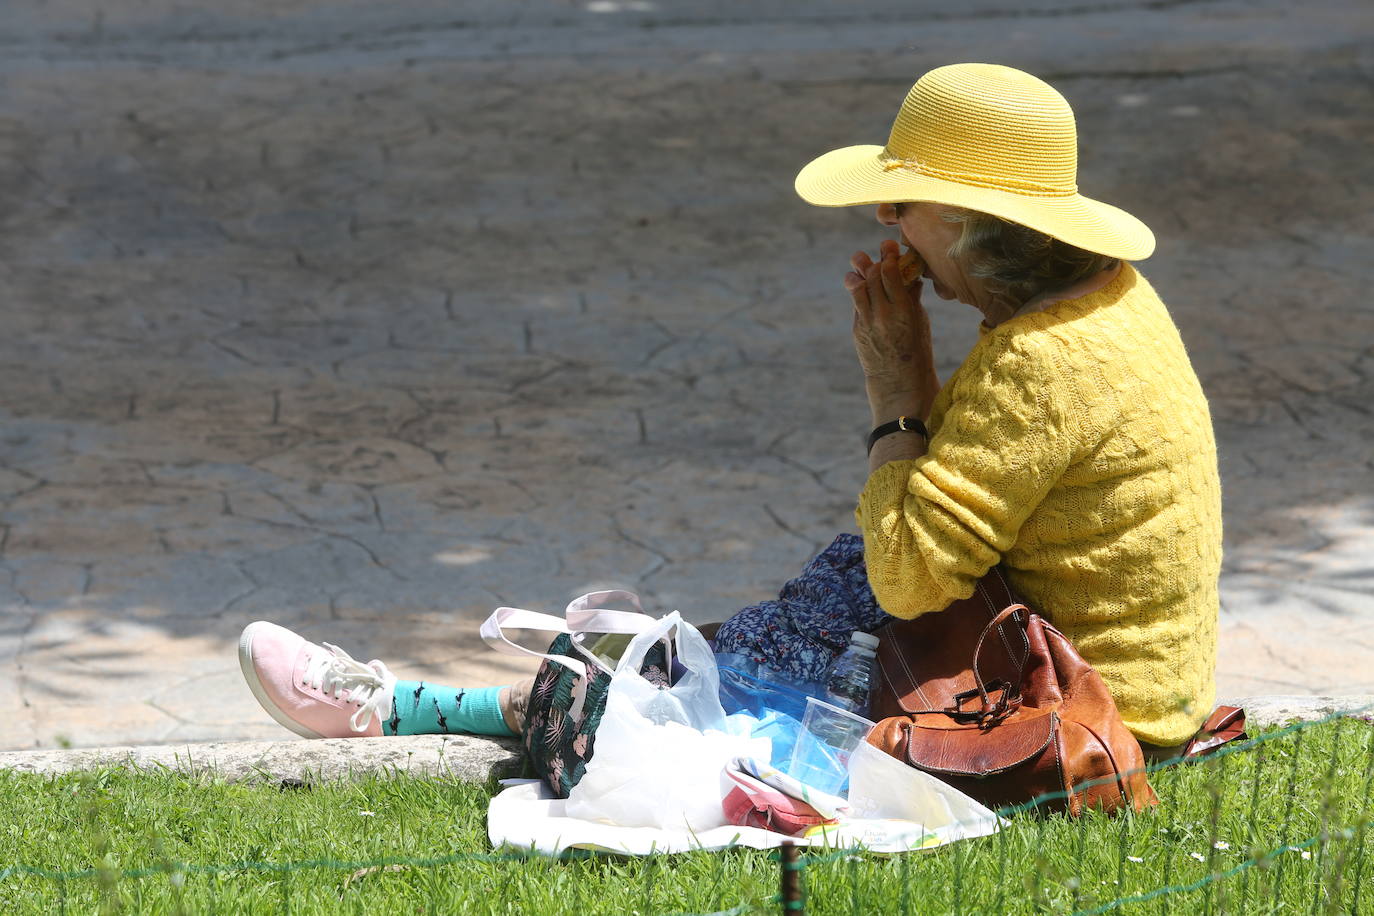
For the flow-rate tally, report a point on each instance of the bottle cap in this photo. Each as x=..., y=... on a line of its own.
x=863, y=640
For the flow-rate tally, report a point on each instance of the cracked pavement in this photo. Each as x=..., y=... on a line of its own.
x=368, y=318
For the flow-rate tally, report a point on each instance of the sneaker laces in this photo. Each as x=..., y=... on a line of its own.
x=369, y=686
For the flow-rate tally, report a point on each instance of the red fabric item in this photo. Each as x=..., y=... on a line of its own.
x=751, y=803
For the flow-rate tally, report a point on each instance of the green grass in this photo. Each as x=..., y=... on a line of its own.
x=161, y=843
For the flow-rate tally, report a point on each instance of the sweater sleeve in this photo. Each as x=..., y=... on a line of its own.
x=935, y=525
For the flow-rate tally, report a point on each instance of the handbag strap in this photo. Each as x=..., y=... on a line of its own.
x=1224, y=725
x=581, y=616
x=1011, y=691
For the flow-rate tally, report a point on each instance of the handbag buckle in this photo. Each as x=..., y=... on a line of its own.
x=990, y=712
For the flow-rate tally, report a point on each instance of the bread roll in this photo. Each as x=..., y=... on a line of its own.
x=911, y=266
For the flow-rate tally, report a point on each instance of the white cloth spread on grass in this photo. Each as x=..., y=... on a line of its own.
x=895, y=809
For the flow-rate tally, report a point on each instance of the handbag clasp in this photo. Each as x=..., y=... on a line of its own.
x=990, y=712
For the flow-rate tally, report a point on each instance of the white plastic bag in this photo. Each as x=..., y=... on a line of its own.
x=659, y=752
x=694, y=700
x=881, y=786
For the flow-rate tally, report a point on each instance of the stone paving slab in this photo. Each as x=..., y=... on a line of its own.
x=368, y=318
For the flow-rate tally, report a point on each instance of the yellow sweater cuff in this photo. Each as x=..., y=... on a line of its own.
x=885, y=489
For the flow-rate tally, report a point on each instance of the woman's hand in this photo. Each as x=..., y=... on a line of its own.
x=891, y=336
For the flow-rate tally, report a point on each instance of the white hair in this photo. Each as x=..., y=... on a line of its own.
x=1015, y=261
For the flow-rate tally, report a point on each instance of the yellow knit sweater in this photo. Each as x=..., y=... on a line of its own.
x=1074, y=446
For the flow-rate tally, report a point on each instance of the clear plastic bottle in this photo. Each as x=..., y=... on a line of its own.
x=850, y=678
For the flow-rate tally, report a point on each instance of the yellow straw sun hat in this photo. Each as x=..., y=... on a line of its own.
x=987, y=138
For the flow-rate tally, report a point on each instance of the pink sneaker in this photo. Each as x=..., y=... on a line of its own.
x=317, y=691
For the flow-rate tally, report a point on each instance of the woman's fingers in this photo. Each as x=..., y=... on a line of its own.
x=891, y=273
x=877, y=292
x=860, y=260
x=858, y=290
x=876, y=285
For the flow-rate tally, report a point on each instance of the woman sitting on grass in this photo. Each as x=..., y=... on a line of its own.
x=1073, y=447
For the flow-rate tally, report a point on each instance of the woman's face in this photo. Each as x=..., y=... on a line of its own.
x=922, y=227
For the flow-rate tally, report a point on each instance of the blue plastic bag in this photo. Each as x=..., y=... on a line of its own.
x=747, y=687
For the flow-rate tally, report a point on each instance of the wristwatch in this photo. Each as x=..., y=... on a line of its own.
x=901, y=424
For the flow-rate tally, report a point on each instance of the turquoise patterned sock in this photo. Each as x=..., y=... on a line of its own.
x=418, y=708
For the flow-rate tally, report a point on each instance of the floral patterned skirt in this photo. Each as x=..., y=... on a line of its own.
x=800, y=633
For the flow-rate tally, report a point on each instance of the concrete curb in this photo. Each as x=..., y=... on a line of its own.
x=465, y=757
x=1269, y=711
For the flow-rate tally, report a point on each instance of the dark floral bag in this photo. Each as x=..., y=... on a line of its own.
x=569, y=695
x=557, y=738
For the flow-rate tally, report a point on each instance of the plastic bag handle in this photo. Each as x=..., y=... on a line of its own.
x=693, y=648
x=693, y=651
x=694, y=699
x=582, y=615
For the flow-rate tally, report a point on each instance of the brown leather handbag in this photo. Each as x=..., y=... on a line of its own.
x=989, y=697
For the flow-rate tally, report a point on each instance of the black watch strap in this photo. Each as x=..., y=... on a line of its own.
x=899, y=425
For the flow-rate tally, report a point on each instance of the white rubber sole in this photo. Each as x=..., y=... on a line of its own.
x=250, y=675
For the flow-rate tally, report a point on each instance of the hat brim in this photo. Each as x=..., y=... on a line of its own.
x=855, y=175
